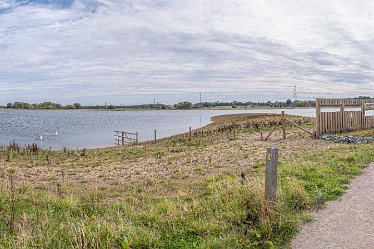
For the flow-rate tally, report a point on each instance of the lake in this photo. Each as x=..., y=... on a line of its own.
x=94, y=128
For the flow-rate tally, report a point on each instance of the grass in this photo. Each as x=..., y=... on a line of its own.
x=200, y=201
x=361, y=133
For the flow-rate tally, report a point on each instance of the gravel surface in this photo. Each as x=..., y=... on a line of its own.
x=345, y=223
x=347, y=139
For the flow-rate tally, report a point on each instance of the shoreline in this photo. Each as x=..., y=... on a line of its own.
x=216, y=121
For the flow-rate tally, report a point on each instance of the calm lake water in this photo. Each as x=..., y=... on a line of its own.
x=93, y=129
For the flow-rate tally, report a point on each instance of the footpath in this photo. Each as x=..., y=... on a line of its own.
x=346, y=223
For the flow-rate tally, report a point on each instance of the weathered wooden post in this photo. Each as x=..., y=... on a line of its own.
x=318, y=116
x=261, y=136
x=155, y=133
x=190, y=134
x=123, y=138
x=234, y=133
x=284, y=125
x=342, y=114
x=271, y=175
x=137, y=137
x=363, y=112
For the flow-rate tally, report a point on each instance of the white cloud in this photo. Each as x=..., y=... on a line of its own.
x=88, y=49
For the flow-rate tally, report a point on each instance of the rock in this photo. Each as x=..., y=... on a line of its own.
x=347, y=139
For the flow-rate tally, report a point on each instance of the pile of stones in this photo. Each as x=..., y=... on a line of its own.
x=347, y=139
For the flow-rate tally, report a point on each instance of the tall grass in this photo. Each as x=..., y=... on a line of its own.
x=223, y=211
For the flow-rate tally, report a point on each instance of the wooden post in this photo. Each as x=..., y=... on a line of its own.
x=137, y=137
x=318, y=117
x=342, y=117
x=190, y=134
x=155, y=132
x=363, y=110
x=117, y=138
x=271, y=175
x=123, y=138
x=261, y=136
x=284, y=125
x=234, y=133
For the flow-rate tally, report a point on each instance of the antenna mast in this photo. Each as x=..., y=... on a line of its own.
x=294, y=93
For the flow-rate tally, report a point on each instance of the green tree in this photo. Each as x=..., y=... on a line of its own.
x=184, y=105
x=77, y=105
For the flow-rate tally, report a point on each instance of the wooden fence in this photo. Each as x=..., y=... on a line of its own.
x=341, y=121
x=254, y=122
x=123, y=138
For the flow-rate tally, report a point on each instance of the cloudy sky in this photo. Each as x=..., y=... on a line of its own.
x=128, y=51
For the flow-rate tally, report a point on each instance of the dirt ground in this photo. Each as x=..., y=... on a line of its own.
x=111, y=167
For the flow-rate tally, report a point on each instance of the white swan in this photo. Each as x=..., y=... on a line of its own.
x=41, y=137
x=56, y=133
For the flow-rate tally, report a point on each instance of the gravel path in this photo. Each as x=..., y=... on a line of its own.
x=346, y=223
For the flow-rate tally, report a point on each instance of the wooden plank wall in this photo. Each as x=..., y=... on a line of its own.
x=369, y=122
x=342, y=120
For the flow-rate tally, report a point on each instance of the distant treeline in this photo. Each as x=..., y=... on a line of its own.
x=44, y=105
x=233, y=104
x=288, y=103
x=51, y=105
x=180, y=105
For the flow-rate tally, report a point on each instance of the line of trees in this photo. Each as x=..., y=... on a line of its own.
x=180, y=105
x=51, y=105
x=44, y=105
x=145, y=106
x=235, y=104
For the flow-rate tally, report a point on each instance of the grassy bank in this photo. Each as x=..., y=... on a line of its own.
x=204, y=193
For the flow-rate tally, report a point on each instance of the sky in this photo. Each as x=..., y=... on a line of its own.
x=141, y=51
